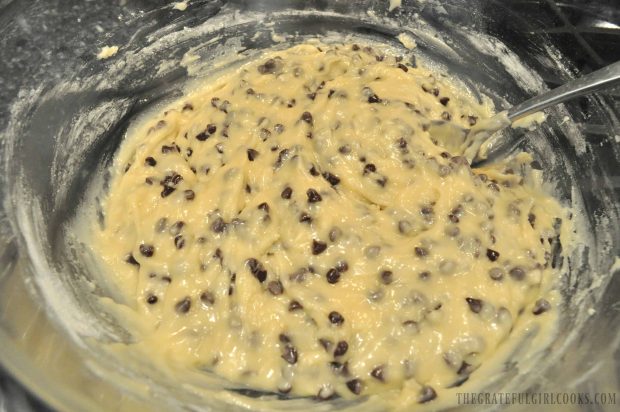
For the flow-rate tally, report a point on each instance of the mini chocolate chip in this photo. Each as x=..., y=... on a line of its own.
x=307, y=117
x=474, y=304
x=257, y=269
x=305, y=218
x=287, y=193
x=427, y=394
x=403, y=67
x=294, y=305
x=151, y=299
x=332, y=179
x=149, y=161
x=289, y=354
x=444, y=100
x=278, y=128
x=211, y=128
x=318, y=247
x=517, y=273
x=313, y=196
x=160, y=226
x=326, y=344
x=541, y=306
x=264, y=207
x=252, y=154
x=421, y=251
x=387, y=277
x=355, y=386
x=131, y=260
x=313, y=171
x=341, y=348
x=218, y=226
x=187, y=106
x=179, y=242
x=370, y=167
x=424, y=275
x=167, y=190
x=342, y=266
x=531, y=218
x=382, y=181
x=275, y=287
x=378, y=373
x=492, y=255
x=269, y=67
x=472, y=120
x=335, y=318
x=176, y=228
x=346, y=149
x=147, y=250
x=333, y=276
x=496, y=273
x=355, y=47
x=202, y=136
x=189, y=194
x=184, y=305
x=167, y=149
x=207, y=298
x=373, y=98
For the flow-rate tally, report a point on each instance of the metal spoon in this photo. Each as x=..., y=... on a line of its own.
x=479, y=135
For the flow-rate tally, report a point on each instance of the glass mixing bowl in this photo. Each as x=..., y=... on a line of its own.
x=64, y=113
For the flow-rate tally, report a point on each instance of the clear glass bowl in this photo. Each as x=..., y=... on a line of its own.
x=64, y=114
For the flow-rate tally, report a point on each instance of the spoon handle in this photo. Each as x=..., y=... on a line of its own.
x=597, y=80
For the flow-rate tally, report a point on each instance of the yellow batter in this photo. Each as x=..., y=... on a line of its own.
x=292, y=226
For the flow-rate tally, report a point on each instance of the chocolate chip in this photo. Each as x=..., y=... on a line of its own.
x=387, y=277
x=305, y=218
x=474, y=304
x=278, y=128
x=167, y=190
x=179, y=242
x=326, y=344
x=341, y=348
x=355, y=47
x=346, y=149
x=307, y=117
x=335, y=318
x=333, y=276
x=269, y=67
x=131, y=260
x=355, y=386
x=294, y=305
x=187, y=106
x=373, y=98
x=167, y=149
x=264, y=207
x=444, y=100
x=275, y=287
x=207, y=298
x=531, y=218
x=420, y=251
x=287, y=193
x=151, y=299
x=318, y=247
x=492, y=255
x=496, y=273
x=425, y=275
x=218, y=226
x=183, y=306
x=541, y=306
x=147, y=250
x=313, y=171
x=160, y=226
x=257, y=269
x=313, y=196
x=202, y=136
x=472, y=120
x=149, y=161
x=378, y=373
x=189, y=194
x=342, y=266
x=252, y=154
x=332, y=179
x=370, y=168
x=517, y=273
x=403, y=67
x=289, y=354
x=427, y=394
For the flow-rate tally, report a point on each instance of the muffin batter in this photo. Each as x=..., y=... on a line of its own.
x=293, y=227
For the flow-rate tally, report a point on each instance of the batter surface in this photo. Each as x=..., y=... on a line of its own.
x=292, y=226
